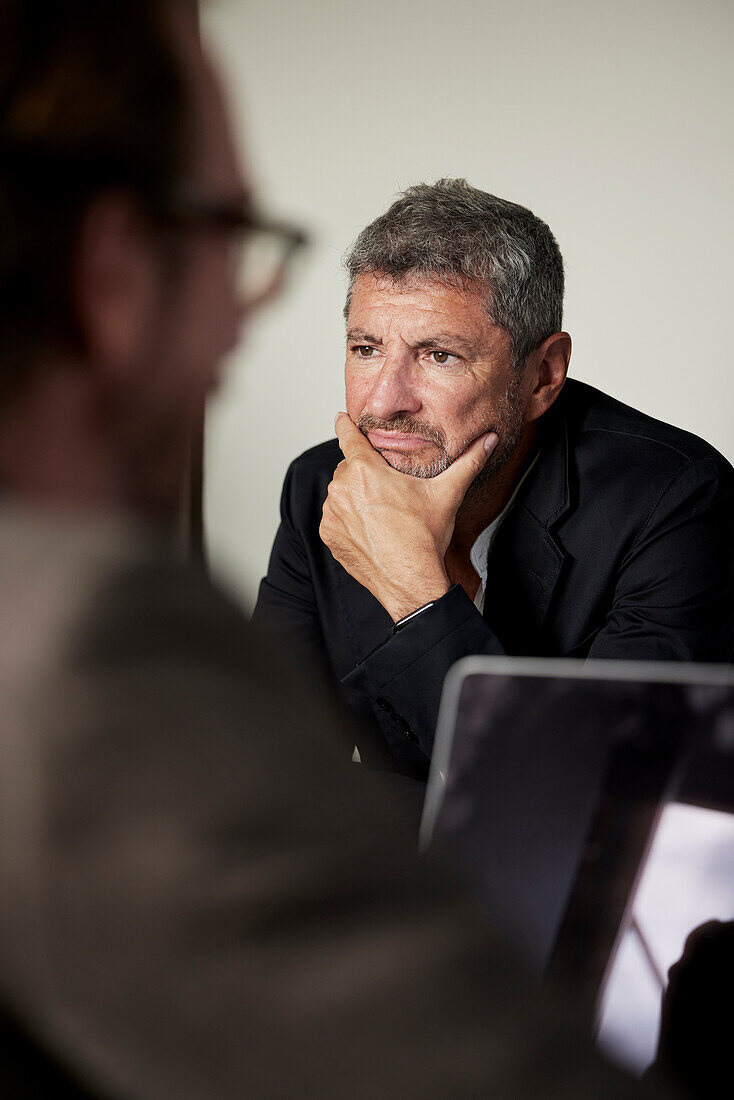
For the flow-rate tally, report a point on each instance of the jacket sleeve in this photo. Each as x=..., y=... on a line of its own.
x=404, y=676
x=286, y=604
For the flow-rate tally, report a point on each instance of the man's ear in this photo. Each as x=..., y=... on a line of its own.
x=546, y=368
x=115, y=278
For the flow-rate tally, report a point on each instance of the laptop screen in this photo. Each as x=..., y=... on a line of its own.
x=590, y=807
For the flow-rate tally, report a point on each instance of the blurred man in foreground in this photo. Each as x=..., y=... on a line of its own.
x=197, y=898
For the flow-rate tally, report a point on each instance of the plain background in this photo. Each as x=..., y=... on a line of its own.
x=612, y=122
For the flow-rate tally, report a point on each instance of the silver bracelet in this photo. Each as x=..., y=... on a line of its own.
x=406, y=619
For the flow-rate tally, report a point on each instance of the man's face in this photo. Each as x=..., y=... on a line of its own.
x=427, y=372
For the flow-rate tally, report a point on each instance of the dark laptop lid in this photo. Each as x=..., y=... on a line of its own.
x=549, y=782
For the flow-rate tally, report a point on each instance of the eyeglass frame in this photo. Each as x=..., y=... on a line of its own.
x=189, y=209
x=92, y=170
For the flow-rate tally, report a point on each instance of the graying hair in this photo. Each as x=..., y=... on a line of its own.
x=460, y=235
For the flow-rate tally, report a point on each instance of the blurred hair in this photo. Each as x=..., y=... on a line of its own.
x=459, y=235
x=92, y=98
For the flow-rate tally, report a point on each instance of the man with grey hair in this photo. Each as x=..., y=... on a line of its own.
x=538, y=516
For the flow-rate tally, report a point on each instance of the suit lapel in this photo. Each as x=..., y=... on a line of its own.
x=526, y=560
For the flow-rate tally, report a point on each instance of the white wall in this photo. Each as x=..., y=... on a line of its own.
x=612, y=121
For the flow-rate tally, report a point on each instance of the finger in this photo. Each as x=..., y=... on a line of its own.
x=351, y=440
x=470, y=462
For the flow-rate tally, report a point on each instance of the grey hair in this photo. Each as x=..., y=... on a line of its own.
x=460, y=235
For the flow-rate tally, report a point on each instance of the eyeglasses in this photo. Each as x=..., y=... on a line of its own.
x=262, y=248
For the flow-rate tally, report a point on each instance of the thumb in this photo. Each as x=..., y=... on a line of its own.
x=470, y=462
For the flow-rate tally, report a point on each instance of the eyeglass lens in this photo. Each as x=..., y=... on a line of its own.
x=261, y=262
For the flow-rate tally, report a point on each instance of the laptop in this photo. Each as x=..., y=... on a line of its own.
x=591, y=808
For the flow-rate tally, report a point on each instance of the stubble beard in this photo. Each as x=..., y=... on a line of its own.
x=506, y=421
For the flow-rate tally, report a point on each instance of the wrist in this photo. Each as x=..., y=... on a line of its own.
x=400, y=605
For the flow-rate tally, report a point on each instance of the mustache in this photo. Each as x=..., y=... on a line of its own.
x=404, y=424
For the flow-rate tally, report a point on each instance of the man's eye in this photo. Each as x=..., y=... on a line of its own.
x=441, y=358
x=364, y=351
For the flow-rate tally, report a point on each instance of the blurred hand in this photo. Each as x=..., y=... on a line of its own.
x=697, y=1019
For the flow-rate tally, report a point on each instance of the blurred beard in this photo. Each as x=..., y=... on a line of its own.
x=506, y=421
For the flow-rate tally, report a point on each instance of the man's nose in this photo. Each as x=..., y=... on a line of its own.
x=394, y=390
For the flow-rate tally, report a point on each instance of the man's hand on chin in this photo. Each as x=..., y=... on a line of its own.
x=390, y=530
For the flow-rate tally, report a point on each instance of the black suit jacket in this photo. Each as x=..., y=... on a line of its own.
x=620, y=544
